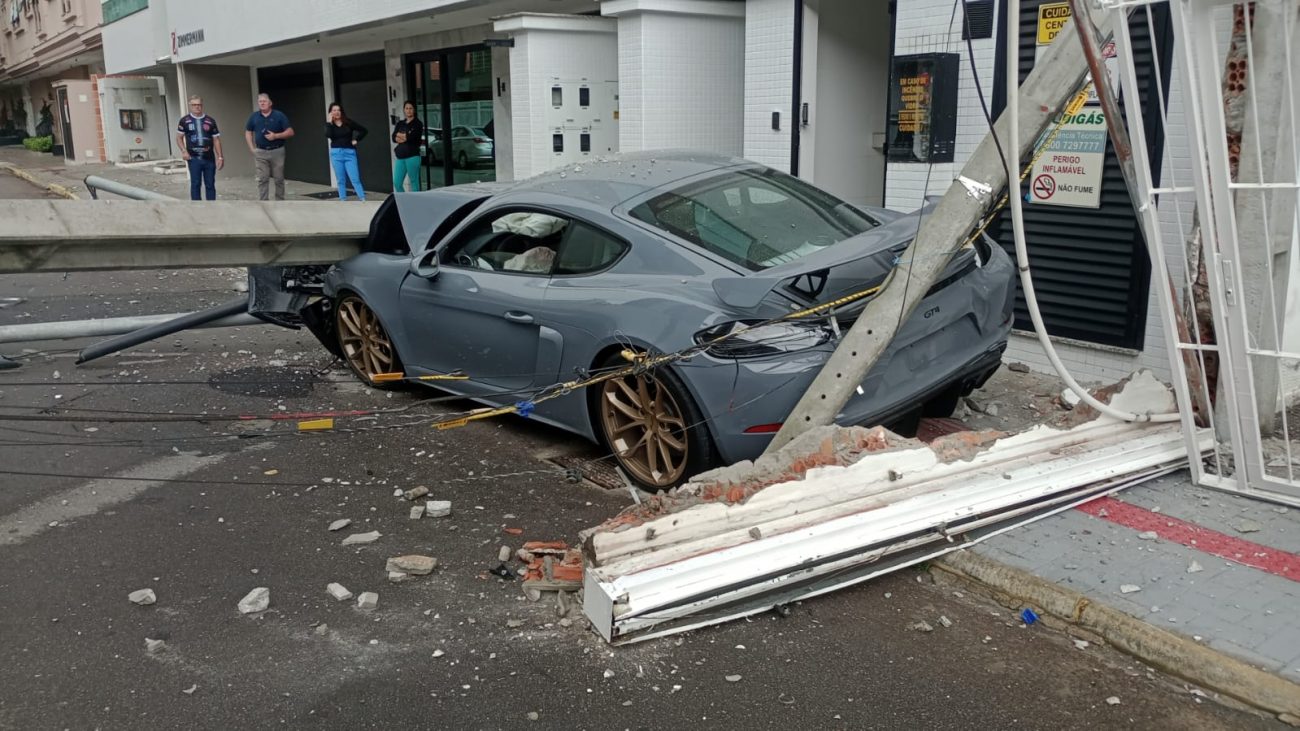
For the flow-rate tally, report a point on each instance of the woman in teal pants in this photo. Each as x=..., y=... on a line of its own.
x=409, y=136
x=343, y=135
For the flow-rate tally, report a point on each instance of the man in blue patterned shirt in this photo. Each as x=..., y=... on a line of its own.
x=200, y=142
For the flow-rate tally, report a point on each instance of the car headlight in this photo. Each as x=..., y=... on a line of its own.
x=748, y=339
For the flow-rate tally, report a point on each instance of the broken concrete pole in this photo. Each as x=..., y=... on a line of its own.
x=416, y=493
x=143, y=597
x=339, y=592
x=340, y=524
x=362, y=538
x=437, y=508
x=367, y=600
x=255, y=601
x=413, y=564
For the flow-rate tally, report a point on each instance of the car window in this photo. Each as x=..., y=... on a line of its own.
x=519, y=242
x=757, y=219
x=586, y=250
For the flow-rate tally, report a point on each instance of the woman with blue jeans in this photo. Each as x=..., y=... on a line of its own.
x=343, y=135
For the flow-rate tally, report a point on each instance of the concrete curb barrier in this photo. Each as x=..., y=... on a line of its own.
x=1167, y=651
x=55, y=188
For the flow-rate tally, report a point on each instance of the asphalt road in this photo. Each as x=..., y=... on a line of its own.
x=228, y=496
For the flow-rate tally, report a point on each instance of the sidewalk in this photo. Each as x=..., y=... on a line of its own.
x=1218, y=571
x=52, y=169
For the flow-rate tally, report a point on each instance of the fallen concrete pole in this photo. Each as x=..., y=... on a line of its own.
x=61, y=236
x=69, y=330
x=745, y=539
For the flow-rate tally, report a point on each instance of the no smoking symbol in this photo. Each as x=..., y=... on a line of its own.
x=1044, y=187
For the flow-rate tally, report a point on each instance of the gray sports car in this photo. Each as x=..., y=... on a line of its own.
x=520, y=286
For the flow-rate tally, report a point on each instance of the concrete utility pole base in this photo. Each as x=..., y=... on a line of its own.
x=1054, y=79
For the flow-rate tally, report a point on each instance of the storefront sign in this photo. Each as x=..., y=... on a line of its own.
x=923, y=108
x=1069, y=172
x=181, y=40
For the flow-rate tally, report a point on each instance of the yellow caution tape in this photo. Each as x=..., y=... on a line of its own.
x=315, y=425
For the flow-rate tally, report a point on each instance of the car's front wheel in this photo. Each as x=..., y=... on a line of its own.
x=364, y=342
x=653, y=427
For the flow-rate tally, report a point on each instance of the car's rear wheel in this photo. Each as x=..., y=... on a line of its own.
x=462, y=161
x=364, y=342
x=653, y=427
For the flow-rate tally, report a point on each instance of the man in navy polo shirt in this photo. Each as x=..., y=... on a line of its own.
x=265, y=133
x=200, y=142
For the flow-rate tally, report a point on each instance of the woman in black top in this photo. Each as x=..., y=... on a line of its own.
x=344, y=134
x=409, y=136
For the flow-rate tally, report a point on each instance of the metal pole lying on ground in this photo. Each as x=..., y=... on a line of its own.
x=94, y=184
x=68, y=330
x=1054, y=79
x=184, y=322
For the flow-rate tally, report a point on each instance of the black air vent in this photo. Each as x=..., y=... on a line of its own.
x=979, y=20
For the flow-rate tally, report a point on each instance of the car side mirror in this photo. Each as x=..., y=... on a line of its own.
x=425, y=264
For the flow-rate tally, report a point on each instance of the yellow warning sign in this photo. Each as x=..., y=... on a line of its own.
x=1051, y=19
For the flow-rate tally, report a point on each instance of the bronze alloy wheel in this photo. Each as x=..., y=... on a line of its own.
x=363, y=339
x=645, y=428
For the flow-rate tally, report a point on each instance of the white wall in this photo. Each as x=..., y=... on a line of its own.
x=146, y=93
x=137, y=42
x=549, y=50
x=681, y=75
x=769, y=81
x=229, y=97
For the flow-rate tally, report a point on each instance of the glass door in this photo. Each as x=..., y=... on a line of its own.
x=452, y=91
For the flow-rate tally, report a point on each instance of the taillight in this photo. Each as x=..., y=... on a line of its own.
x=479, y=140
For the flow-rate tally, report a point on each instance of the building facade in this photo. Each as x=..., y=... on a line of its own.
x=880, y=103
x=49, y=52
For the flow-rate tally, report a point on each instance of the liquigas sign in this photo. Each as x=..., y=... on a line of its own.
x=1069, y=171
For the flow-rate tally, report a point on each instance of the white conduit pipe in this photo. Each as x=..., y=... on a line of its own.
x=1018, y=229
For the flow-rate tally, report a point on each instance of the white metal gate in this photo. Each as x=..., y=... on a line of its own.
x=1223, y=227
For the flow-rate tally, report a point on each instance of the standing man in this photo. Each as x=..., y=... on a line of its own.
x=265, y=133
x=200, y=142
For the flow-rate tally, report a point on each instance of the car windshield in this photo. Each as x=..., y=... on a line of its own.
x=755, y=218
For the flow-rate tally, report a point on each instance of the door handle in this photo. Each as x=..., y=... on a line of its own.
x=522, y=317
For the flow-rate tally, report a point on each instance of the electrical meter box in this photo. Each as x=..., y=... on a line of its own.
x=582, y=118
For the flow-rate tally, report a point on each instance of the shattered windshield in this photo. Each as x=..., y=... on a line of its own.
x=755, y=218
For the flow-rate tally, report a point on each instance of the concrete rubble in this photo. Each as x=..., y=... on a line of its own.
x=412, y=564
x=437, y=508
x=367, y=600
x=416, y=493
x=340, y=524
x=255, y=601
x=339, y=592
x=142, y=597
x=362, y=538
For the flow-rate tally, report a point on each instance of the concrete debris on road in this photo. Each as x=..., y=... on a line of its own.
x=1112, y=701
x=945, y=621
x=255, y=601
x=367, y=600
x=417, y=512
x=503, y=554
x=733, y=678
x=143, y=597
x=339, y=592
x=1129, y=588
x=1195, y=568
x=921, y=626
x=362, y=538
x=1081, y=644
x=340, y=524
x=1246, y=525
x=153, y=646
x=415, y=493
x=398, y=577
x=1149, y=535
x=438, y=653
x=413, y=564
x=437, y=508
x=190, y=690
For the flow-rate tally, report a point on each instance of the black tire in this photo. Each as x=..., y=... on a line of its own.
x=462, y=162
x=683, y=421
x=364, y=342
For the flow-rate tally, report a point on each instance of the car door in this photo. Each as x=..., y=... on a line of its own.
x=479, y=311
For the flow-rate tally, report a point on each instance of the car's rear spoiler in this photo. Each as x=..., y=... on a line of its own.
x=747, y=292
